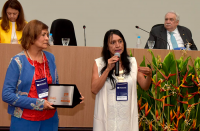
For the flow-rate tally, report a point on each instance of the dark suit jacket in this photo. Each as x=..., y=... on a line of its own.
x=161, y=32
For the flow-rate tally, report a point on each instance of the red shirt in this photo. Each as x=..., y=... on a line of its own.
x=34, y=115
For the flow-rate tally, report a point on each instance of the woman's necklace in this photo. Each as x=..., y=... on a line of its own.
x=120, y=78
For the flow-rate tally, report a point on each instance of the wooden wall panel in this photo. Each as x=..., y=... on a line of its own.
x=74, y=65
x=7, y=51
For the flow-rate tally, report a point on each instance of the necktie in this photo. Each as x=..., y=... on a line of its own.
x=173, y=40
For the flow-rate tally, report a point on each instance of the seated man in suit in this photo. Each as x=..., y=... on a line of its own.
x=177, y=36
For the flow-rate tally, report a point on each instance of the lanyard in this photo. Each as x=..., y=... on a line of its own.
x=34, y=65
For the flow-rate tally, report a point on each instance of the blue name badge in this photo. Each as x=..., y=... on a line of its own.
x=122, y=91
x=42, y=87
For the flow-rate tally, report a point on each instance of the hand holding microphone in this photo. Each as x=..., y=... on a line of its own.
x=117, y=65
x=114, y=62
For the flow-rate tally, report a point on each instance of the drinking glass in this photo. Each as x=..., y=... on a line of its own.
x=151, y=44
x=65, y=41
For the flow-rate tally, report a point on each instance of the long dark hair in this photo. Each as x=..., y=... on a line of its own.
x=106, y=55
x=14, y=4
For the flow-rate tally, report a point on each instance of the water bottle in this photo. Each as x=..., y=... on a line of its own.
x=138, y=44
x=50, y=39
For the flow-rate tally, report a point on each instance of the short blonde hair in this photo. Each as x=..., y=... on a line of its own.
x=31, y=32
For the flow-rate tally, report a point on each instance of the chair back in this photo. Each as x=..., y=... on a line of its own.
x=156, y=25
x=63, y=28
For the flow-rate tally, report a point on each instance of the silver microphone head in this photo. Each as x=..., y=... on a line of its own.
x=117, y=54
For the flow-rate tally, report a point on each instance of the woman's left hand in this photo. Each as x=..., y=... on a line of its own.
x=144, y=82
x=145, y=70
x=82, y=98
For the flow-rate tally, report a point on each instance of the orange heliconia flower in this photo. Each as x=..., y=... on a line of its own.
x=194, y=124
x=157, y=116
x=171, y=116
x=162, y=100
x=140, y=124
x=146, y=109
x=150, y=126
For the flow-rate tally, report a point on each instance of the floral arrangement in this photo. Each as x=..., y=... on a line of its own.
x=172, y=101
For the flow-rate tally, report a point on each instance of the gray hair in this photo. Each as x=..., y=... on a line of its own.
x=173, y=12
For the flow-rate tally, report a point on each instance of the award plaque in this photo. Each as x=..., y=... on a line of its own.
x=64, y=95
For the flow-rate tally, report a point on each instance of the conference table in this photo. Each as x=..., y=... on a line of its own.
x=74, y=65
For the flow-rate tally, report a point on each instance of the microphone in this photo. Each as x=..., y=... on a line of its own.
x=117, y=65
x=153, y=35
x=84, y=34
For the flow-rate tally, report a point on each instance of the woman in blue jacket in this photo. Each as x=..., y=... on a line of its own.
x=29, y=110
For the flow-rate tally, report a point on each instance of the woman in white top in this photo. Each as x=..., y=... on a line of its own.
x=111, y=112
x=12, y=22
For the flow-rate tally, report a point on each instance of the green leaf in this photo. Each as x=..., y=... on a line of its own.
x=183, y=66
x=131, y=55
x=197, y=60
x=172, y=70
x=191, y=70
x=197, y=67
x=143, y=62
x=154, y=61
x=165, y=69
x=168, y=59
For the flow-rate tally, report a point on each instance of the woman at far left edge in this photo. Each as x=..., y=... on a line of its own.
x=12, y=22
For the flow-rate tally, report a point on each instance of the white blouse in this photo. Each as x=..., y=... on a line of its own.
x=119, y=112
x=112, y=115
x=13, y=35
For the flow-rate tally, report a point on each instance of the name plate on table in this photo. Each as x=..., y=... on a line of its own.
x=180, y=48
x=64, y=95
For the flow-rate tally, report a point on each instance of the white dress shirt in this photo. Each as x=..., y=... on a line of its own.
x=177, y=37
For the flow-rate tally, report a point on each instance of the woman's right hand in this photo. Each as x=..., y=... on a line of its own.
x=111, y=62
x=48, y=105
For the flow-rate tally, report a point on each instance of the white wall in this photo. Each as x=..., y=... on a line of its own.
x=102, y=15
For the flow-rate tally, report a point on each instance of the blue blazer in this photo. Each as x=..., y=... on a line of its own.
x=18, y=82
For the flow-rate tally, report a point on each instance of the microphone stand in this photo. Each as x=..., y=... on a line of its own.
x=84, y=34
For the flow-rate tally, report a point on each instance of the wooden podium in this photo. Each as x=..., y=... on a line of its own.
x=74, y=65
